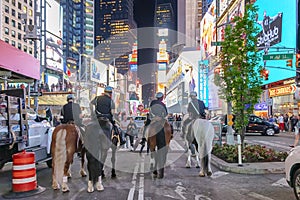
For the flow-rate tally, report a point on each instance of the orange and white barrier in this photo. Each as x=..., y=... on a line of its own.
x=24, y=172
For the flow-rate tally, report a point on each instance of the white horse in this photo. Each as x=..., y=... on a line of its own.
x=203, y=131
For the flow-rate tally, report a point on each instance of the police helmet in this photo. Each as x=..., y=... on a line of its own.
x=70, y=96
x=193, y=94
x=159, y=95
x=108, y=89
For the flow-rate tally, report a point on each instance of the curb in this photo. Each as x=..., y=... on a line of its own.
x=249, y=168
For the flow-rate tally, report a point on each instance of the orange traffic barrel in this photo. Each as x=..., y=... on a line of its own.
x=24, y=172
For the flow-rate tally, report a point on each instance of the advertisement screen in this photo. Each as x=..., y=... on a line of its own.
x=277, y=25
x=98, y=71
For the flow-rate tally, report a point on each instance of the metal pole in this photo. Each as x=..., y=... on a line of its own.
x=79, y=79
x=107, y=75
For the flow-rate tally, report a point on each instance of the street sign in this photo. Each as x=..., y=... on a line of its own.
x=36, y=94
x=216, y=43
x=278, y=56
x=204, y=62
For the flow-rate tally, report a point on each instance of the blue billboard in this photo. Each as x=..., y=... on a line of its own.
x=277, y=23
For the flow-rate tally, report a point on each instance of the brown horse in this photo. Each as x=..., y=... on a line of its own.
x=159, y=134
x=65, y=142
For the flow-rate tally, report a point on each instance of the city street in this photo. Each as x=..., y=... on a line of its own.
x=135, y=182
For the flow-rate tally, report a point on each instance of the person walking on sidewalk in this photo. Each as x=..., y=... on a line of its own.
x=281, y=123
x=297, y=127
x=131, y=132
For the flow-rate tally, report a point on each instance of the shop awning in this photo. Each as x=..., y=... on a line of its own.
x=18, y=62
x=175, y=108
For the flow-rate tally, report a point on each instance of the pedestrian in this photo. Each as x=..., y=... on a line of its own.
x=144, y=140
x=297, y=127
x=281, y=122
x=131, y=132
x=123, y=125
x=286, y=122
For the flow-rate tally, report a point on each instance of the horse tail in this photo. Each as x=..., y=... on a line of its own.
x=60, y=157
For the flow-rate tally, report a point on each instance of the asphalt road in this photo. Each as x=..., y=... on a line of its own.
x=135, y=182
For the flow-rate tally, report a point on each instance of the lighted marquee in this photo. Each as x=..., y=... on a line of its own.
x=283, y=90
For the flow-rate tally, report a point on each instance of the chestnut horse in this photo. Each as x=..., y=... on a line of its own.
x=159, y=134
x=65, y=142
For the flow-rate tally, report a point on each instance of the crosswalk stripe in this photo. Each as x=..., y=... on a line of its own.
x=174, y=146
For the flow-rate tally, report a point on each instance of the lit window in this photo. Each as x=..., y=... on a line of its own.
x=30, y=12
x=6, y=30
x=25, y=9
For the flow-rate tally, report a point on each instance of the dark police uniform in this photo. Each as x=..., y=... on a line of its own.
x=158, y=108
x=103, y=105
x=71, y=112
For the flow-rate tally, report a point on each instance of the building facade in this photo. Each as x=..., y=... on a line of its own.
x=13, y=26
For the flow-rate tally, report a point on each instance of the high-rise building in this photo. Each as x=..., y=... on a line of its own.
x=190, y=13
x=12, y=29
x=78, y=34
x=113, y=32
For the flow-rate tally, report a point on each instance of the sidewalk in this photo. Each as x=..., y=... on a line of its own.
x=249, y=168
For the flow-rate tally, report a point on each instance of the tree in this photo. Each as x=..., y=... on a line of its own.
x=239, y=79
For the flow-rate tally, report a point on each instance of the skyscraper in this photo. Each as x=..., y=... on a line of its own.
x=78, y=33
x=113, y=32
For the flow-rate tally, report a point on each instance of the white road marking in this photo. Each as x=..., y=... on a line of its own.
x=174, y=146
x=132, y=189
x=180, y=191
x=141, y=182
x=281, y=183
x=218, y=174
x=259, y=196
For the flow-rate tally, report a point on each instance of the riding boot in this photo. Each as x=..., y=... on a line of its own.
x=161, y=173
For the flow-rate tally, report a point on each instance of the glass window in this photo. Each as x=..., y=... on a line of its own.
x=25, y=9
x=30, y=12
x=30, y=21
x=30, y=50
x=6, y=9
x=19, y=15
x=19, y=46
x=19, y=36
x=25, y=48
x=13, y=22
x=13, y=33
x=6, y=40
x=7, y=1
x=6, y=30
x=13, y=2
x=13, y=12
x=13, y=43
x=25, y=1
x=19, y=26
x=30, y=3
x=19, y=5
x=6, y=20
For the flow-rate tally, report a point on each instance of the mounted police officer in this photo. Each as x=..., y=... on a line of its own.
x=71, y=112
x=157, y=107
x=104, y=107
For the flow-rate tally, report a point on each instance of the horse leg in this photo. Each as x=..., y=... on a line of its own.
x=55, y=184
x=64, y=186
x=198, y=161
x=113, y=161
x=82, y=171
x=188, y=162
x=103, y=159
x=161, y=152
x=209, y=171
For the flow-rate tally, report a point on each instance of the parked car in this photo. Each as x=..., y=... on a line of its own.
x=292, y=170
x=255, y=125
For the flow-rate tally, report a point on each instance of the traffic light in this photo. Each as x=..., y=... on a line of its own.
x=265, y=74
x=289, y=63
x=297, y=60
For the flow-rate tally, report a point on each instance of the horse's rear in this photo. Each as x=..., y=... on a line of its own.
x=159, y=134
x=203, y=131
x=64, y=144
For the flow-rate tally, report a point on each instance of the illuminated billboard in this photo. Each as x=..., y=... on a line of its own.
x=277, y=24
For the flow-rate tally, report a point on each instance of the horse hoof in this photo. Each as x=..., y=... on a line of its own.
x=201, y=174
x=83, y=173
x=209, y=173
x=187, y=166
x=90, y=187
x=65, y=188
x=154, y=174
x=55, y=186
x=69, y=175
x=113, y=175
x=99, y=186
x=197, y=166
